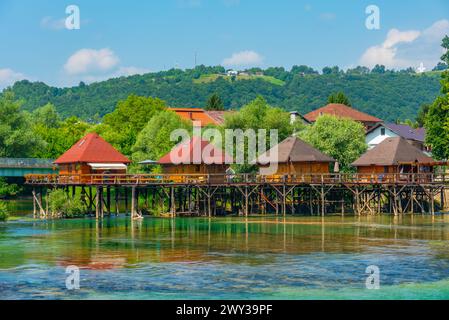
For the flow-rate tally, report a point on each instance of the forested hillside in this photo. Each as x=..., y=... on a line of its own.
x=386, y=94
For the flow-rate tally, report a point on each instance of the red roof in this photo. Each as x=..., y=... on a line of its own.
x=196, y=151
x=92, y=149
x=343, y=111
x=195, y=114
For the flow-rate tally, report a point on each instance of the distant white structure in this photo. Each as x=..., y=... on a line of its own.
x=421, y=68
x=295, y=115
x=232, y=73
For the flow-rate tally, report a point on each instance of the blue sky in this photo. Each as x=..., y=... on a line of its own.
x=134, y=36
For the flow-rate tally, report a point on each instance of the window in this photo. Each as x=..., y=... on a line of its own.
x=382, y=131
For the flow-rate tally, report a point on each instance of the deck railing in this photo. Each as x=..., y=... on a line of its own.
x=312, y=178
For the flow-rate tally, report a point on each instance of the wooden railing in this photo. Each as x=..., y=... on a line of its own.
x=313, y=178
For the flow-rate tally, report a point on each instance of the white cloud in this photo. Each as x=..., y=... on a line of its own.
x=90, y=61
x=8, y=77
x=243, y=58
x=53, y=24
x=402, y=49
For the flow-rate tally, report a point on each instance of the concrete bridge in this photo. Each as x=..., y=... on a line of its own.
x=19, y=167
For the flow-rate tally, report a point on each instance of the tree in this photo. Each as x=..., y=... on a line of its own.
x=422, y=112
x=437, y=118
x=46, y=116
x=59, y=139
x=154, y=140
x=122, y=126
x=16, y=138
x=378, y=69
x=342, y=139
x=441, y=66
x=214, y=103
x=339, y=97
x=256, y=115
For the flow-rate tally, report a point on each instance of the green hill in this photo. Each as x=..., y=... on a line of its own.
x=388, y=95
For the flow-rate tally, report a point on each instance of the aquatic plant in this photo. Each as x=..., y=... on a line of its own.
x=63, y=205
x=4, y=212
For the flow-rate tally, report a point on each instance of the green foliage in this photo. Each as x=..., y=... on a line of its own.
x=16, y=138
x=214, y=103
x=154, y=140
x=4, y=212
x=60, y=136
x=445, y=45
x=256, y=115
x=386, y=94
x=437, y=117
x=437, y=127
x=7, y=189
x=62, y=205
x=121, y=127
x=421, y=117
x=342, y=139
x=339, y=97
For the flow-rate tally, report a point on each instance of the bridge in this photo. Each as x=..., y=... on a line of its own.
x=20, y=167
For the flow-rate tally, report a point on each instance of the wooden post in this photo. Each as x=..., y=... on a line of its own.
x=133, y=202
x=99, y=203
x=323, y=204
x=34, y=203
x=117, y=194
x=108, y=200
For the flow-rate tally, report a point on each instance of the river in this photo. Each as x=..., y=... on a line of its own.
x=227, y=258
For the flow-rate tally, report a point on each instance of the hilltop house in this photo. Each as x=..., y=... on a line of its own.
x=381, y=131
x=92, y=155
x=394, y=156
x=202, y=116
x=343, y=111
x=294, y=156
x=197, y=156
x=295, y=115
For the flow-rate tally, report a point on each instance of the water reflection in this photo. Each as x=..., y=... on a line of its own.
x=309, y=252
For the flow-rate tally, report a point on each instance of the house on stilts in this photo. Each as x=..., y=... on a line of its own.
x=196, y=157
x=89, y=156
x=294, y=157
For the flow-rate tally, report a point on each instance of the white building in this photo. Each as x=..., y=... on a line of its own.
x=382, y=131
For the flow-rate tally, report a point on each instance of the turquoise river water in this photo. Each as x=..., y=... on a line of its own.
x=226, y=258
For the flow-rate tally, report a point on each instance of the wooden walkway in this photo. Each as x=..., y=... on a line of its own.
x=245, y=194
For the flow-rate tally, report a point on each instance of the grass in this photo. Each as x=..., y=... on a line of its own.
x=207, y=78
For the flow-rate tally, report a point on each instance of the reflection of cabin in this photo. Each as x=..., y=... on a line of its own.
x=343, y=111
x=294, y=157
x=395, y=158
x=196, y=157
x=92, y=155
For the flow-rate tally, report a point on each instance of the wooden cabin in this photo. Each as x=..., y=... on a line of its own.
x=196, y=157
x=91, y=155
x=295, y=157
x=395, y=159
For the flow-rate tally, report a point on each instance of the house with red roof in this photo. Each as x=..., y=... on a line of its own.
x=343, y=111
x=200, y=115
x=92, y=155
x=196, y=156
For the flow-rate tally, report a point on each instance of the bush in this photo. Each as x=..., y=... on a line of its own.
x=4, y=212
x=63, y=205
x=8, y=190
